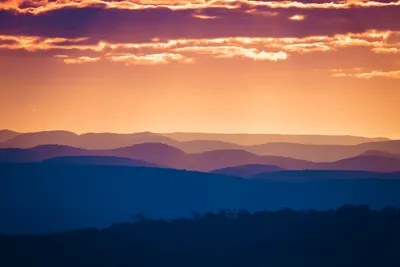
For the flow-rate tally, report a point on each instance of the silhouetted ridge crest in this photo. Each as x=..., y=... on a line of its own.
x=99, y=160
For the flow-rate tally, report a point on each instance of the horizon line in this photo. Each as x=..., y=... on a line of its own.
x=195, y=132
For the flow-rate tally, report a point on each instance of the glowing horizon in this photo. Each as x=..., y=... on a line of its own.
x=220, y=66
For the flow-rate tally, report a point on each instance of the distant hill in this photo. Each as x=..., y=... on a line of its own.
x=380, y=154
x=86, y=141
x=160, y=154
x=217, y=159
x=189, y=142
x=97, y=196
x=365, y=162
x=39, y=153
x=28, y=140
x=200, y=146
x=247, y=170
x=172, y=157
x=316, y=153
x=7, y=134
x=257, y=139
x=99, y=160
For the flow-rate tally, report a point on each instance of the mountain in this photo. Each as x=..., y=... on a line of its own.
x=200, y=146
x=172, y=157
x=7, y=134
x=247, y=170
x=157, y=153
x=392, y=146
x=97, y=196
x=316, y=153
x=380, y=154
x=112, y=140
x=28, y=140
x=365, y=162
x=217, y=159
x=99, y=160
x=257, y=139
x=39, y=153
x=86, y=141
x=323, y=153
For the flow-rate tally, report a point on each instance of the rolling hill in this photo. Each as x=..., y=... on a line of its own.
x=257, y=139
x=171, y=157
x=99, y=160
x=43, y=197
x=84, y=141
x=7, y=134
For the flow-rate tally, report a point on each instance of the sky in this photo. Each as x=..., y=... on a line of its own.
x=221, y=66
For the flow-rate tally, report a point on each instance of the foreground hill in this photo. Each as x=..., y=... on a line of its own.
x=349, y=236
x=42, y=197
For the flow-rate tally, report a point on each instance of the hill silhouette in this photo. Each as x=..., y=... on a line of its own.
x=85, y=141
x=39, y=153
x=189, y=142
x=200, y=146
x=248, y=170
x=157, y=153
x=42, y=198
x=7, y=134
x=171, y=157
x=323, y=153
x=365, y=162
x=257, y=139
x=99, y=160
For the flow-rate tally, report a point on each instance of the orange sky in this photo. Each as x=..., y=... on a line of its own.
x=338, y=82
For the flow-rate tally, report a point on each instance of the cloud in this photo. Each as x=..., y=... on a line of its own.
x=234, y=51
x=297, y=17
x=358, y=73
x=383, y=74
x=264, y=13
x=386, y=50
x=176, y=50
x=200, y=16
x=35, y=43
x=42, y=6
x=77, y=60
x=149, y=59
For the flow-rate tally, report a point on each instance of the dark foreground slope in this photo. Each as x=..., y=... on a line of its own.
x=40, y=197
x=351, y=236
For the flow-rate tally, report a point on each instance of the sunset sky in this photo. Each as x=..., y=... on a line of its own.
x=227, y=66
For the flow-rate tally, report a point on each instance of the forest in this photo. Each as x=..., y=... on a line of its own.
x=348, y=236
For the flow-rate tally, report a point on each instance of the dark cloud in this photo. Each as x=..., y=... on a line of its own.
x=142, y=25
x=7, y=42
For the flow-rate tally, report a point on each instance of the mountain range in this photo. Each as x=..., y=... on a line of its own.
x=170, y=157
x=307, y=147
